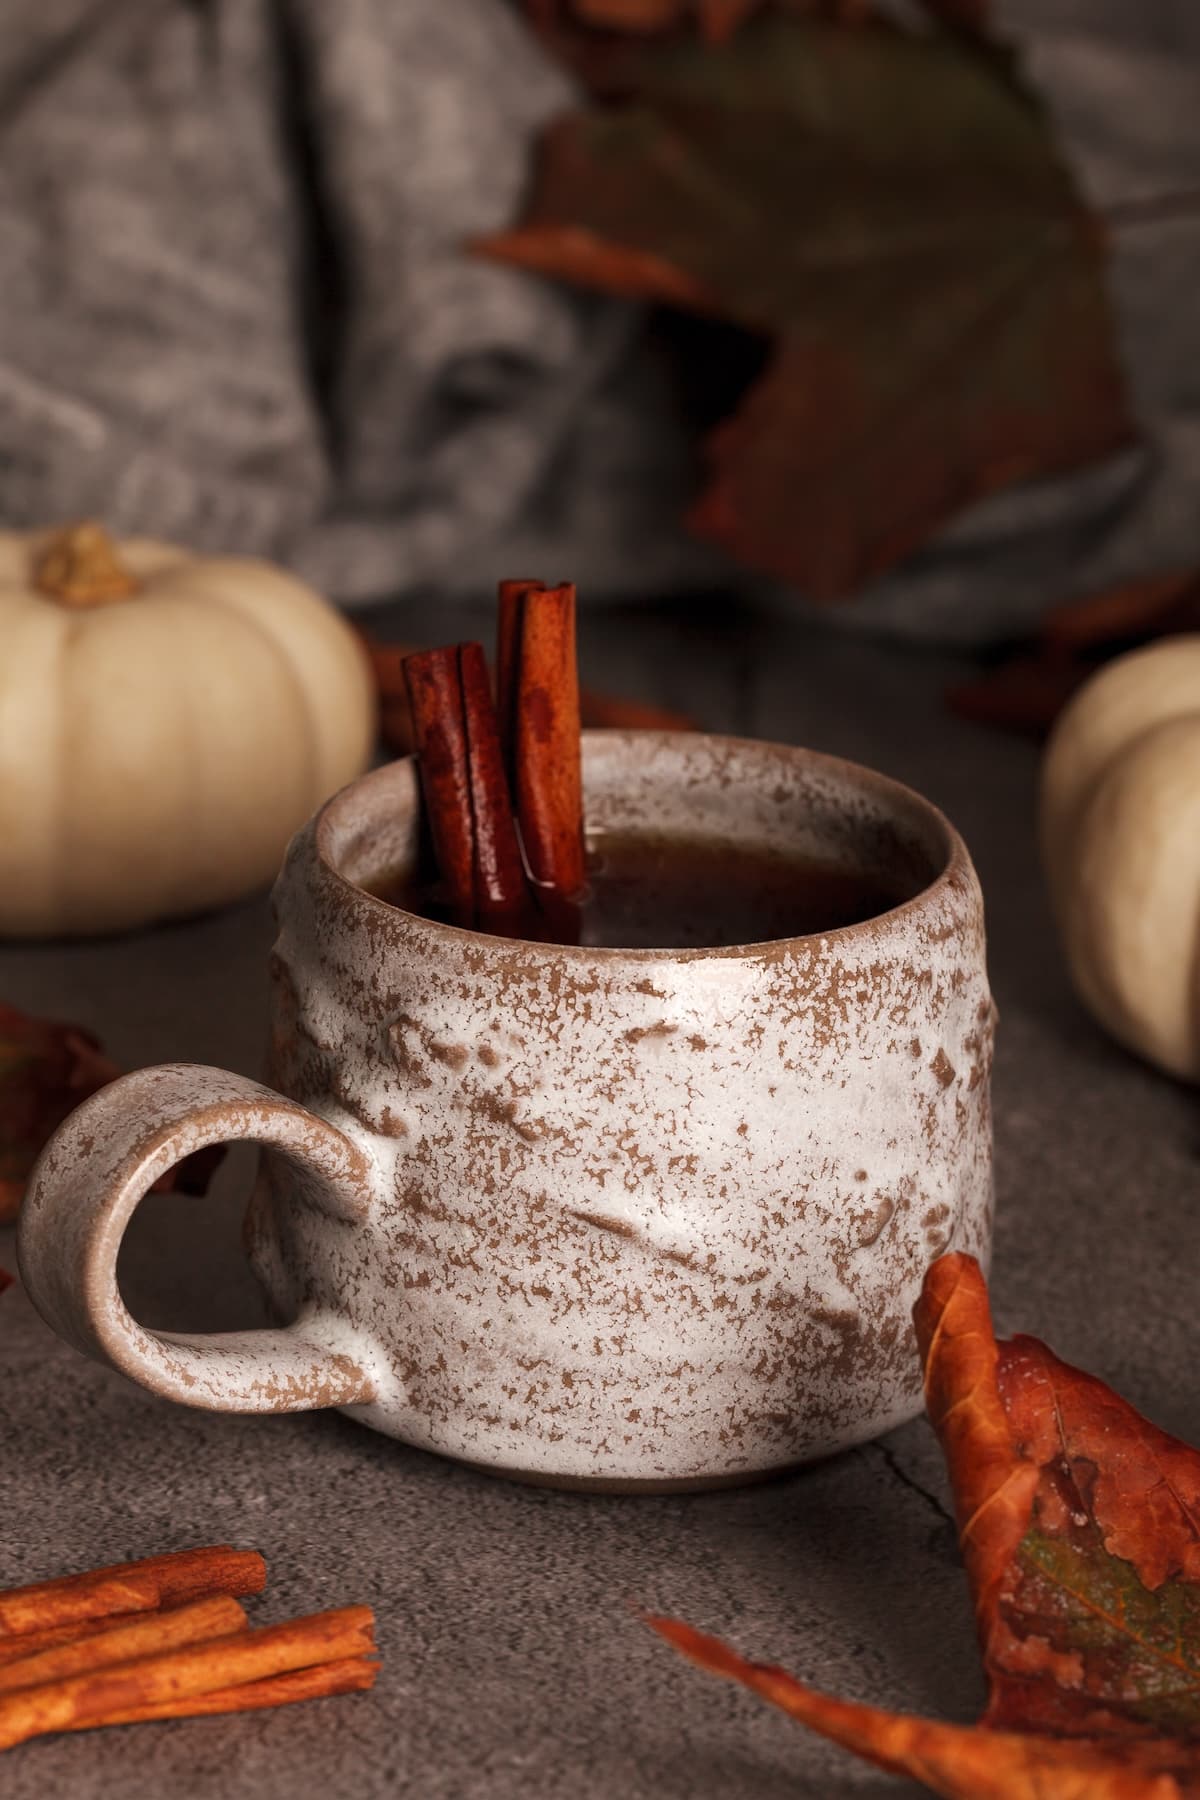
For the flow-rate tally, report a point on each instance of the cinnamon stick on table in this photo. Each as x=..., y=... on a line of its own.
x=127, y=1640
x=174, y=1680
x=165, y=1638
x=32, y=1643
x=537, y=682
x=132, y=1587
x=349, y=1675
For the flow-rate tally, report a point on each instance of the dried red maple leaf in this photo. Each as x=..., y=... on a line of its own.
x=718, y=20
x=611, y=712
x=1026, y=692
x=1131, y=613
x=596, y=710
x=890, y=209
x=46, y=1069
x=1078, y=1522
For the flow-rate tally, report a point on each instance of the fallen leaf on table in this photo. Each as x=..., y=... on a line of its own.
x=6, y=1280
x=1136, y=610
x=395, y=717
x=1027, y=690
x=718, y=20
x=890, y=210
x=596, y=710
x=1024, y=693
x=387, y=666
x=46, y=1069
x=608, y=712
x=1078, y=1527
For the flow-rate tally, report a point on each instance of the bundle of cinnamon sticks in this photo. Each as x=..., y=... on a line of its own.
x=502, y=778
x=597, y=710
x=165, y=1638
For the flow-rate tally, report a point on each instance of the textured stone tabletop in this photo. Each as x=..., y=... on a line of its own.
x=514, y=1662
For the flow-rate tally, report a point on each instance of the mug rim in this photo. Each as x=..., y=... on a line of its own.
x=956, y=868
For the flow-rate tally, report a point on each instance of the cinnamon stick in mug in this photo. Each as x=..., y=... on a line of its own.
x=538, y=705
x=435, y=696
x=501, y=893
x=462, y=779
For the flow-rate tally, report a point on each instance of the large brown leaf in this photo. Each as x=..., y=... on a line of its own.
x=46, y=1069
x=890, y=210
x=1078, y=1522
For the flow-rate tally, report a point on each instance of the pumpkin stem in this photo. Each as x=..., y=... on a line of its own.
x=80, y=567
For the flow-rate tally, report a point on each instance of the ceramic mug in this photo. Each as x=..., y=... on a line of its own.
x=591, y=1216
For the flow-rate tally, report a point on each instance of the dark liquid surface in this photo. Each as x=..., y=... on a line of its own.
x=679, y=893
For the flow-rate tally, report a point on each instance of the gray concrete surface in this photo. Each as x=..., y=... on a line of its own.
x=514, y=1661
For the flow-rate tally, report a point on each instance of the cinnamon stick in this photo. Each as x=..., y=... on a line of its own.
x=596, y=708
x=346, y=1676
x=74, y=1600
x=435, y=696
x=501, y=894
x=131, y=1587
x=179, y=1676
x=31, y=1643
x=510, y=618
x=538, y=706
x=146, y=1635
x=480, y=871
x=214, y=1569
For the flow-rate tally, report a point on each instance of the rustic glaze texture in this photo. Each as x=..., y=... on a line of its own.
x=613, y=1217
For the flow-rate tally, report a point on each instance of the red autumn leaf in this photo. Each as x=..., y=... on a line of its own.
x=6, y=1280
x=609, y=712
x=625, y=15
x=890, y=210
x=46, y=1069
x=597, y=710
x=1136, y=611
x=1026, y=692
x=718, y=20
x=1078, y=1523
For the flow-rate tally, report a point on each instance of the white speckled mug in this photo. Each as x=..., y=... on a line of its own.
x=592, y=1216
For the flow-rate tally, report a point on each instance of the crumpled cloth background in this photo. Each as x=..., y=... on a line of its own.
x=235, y=310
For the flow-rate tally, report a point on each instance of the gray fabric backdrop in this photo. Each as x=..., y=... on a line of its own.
x=198, y=197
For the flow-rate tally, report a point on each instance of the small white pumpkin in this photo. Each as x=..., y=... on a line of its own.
x=167, y=722
x=1121, y=841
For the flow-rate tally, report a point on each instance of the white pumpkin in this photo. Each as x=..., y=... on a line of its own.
x=167, y=722
x=1121, y=842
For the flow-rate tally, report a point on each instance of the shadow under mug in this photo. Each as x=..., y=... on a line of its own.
x=595, y=1217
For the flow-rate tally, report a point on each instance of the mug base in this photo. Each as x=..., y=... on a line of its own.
x=634, y=1485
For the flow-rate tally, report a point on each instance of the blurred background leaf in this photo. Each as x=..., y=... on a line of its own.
x=889, y=212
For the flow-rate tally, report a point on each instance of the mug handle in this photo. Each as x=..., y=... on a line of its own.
x=89, y=1181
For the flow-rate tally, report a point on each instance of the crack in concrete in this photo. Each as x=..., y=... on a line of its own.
x=901, y=1473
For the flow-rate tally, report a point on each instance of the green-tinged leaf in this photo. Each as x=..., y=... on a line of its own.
x=1079, y=1524
x=892, y=211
